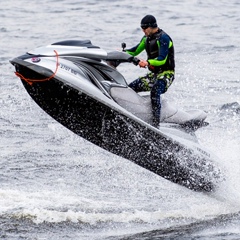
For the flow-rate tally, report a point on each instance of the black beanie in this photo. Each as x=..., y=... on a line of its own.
x=150, y=21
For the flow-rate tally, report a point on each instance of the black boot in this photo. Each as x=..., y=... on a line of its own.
x=156, y=122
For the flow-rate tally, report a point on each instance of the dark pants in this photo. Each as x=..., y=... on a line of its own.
x=157, y=83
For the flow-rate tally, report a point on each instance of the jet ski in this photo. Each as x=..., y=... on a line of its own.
x=78, y=84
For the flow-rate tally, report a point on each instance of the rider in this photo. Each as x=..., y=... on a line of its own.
x=160, y=62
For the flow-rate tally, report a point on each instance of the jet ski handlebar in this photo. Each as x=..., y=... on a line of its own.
x=114, y=58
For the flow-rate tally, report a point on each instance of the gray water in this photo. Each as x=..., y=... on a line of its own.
x=56, y=185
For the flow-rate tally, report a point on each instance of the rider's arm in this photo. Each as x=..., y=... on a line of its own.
x=138, y=48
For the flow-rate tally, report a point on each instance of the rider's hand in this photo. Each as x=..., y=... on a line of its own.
x=143, y=63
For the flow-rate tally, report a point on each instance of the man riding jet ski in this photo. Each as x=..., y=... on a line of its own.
x=160, y=62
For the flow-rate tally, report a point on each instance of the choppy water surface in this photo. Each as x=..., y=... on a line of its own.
x=56, y=185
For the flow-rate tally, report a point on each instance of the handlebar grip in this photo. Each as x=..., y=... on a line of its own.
x=135, y=61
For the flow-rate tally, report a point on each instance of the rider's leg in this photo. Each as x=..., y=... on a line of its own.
x=163, y=81
x=157, y=89
x=142, y=83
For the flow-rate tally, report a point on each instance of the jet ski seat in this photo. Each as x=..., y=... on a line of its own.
x=141, y=107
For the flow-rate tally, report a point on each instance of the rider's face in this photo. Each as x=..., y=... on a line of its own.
x=147, y=31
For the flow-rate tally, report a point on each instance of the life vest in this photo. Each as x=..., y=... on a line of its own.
x=152, y=49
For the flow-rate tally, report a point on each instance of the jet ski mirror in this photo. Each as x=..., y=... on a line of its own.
x=124, y=46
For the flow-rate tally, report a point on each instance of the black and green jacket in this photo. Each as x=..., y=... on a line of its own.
x=160, y=51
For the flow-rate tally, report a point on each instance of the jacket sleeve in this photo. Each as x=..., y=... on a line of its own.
x=134, y=51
